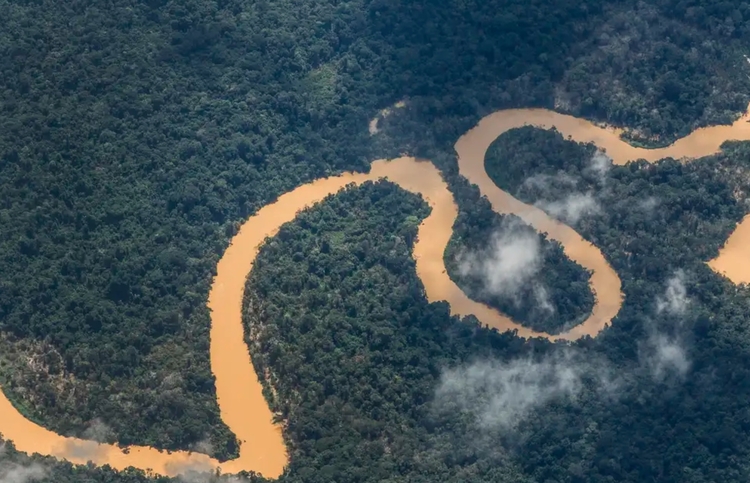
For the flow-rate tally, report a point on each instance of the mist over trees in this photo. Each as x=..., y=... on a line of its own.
x=506, y=264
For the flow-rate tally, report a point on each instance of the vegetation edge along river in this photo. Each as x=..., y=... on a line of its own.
x=237, y=385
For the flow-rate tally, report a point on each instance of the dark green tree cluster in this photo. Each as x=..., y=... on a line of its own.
x=133, y=138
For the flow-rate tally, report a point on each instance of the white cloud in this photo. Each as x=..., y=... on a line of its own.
x=498, y=395
x=17, y=473
x=98, y=431
x=574, y=204
x=514, y=258
x=675, y=300
x=648, y=205
x=82, y=449
x=571, y=208
x=542, y=298
x=668, y=357
x=192, y=471
x=512, y=262
x=203, y=446
x=547, y=181
x=664, y=352
x=599, y=166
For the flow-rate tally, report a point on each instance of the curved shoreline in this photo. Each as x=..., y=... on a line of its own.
x=239, y=392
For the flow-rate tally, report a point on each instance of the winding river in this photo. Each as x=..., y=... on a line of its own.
x=239, y=392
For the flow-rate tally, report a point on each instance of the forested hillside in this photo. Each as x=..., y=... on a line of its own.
x=135, y=136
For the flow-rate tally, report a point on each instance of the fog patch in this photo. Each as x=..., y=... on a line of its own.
x=668, y=356
x=98, y=431
x=560, y=196
x=664, y=352
x=547, y=181
x=16, y=473
x=542, y=298
x=648, y=205
x=203, y=446
x=192, y=471
x=12, y=472
x=572, y=208
x=599, y=166
x=498, y=395
x=675, y=300
x=79, y=449
x=204, y=475
x=512, y=261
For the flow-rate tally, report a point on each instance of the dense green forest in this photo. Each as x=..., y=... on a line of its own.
x=135, y=136
x=506, y=264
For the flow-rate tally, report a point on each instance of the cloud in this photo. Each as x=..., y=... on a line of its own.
x=546, y=181
x=512, y=261
x=203, y=446
x=11, y=472
x=664, y=352
x=192, y=471
x=81, y=449
x=559, y=196
x=648, y=205
x=668, y=357
x=571, y=208
x=90, y=447
x=675, y=300
x=98, y=431
x=499, y=395
x=599, y=166
x=542, y=298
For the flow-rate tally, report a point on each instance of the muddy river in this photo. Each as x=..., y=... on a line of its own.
x=238, y=389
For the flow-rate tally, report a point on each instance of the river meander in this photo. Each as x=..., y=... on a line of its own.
x=239, y=392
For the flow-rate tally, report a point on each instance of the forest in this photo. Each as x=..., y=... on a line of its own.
x=136, y=136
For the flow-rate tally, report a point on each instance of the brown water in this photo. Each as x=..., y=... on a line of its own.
x=239, y=392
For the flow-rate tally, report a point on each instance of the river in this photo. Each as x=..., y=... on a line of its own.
x=239, y=392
